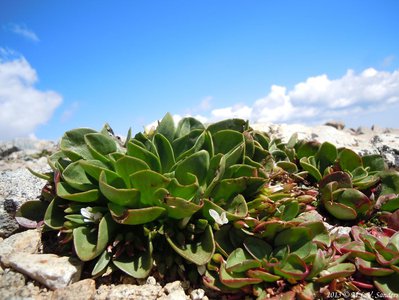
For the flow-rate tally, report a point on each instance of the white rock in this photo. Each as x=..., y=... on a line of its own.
x=26, y=242
x=51, y=270
x=173, y=291
x=137, y=292
x=84, y=289
x=197, y=294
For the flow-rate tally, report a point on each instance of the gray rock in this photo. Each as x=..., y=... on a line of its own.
x=16, y=187
x=84, y=289
x=129, y=291
x=49, y=269
x=173, y=291
x=336, y=124
x=26, y=242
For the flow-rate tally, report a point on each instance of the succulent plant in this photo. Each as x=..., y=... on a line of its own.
x=224, y=203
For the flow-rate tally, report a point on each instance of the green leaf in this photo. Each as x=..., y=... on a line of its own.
x=54, y=216
x=196, y=164
x=288, y=166
x=226, y=140
x=307, y=149
x=234, y=280
x=340, y=211
x=100, y=145
x=232, y=124
x=137, y=216
x=77, y=178
x=307, y=164
x=178, y=208
x=73, y=144
x=165, y=152
x=151, y=186
x=128, y=165
x=265, y=276
x=293, y=236
x=94, y=168
x=239, y=261
x=341, y=270
x=257, y=248
x=102, y=263
x=149, y=158
x=374, y=162
x=90, y=244
x=326, y=155
x=186, y=125
x=198, y=252
x=188, y=144
x=291, y=210
x=388, y=285
x=167, y=127
x=369, y=268
x=46, y=176
x=138, y=266
x=129, y=197
x=390, y=182
x=349, y=160
x=67, y=192
x=292, y=267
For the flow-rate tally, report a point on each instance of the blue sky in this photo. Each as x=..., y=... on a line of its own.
x=67, y=64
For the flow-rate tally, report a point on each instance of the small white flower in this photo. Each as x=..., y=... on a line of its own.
x=89, y=216
x=275, y=188
x=220, y=219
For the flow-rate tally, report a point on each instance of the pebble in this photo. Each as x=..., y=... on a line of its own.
x=84, y=289
x=136, y=292
x=197, y=294
x=49, y=269
x=26, y=242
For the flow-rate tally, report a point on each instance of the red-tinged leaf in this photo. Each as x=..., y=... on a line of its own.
x=265, y=276
x=340, y=270
x=234, y=280
x=357, y=249
x=362, y=285
x=371, y=269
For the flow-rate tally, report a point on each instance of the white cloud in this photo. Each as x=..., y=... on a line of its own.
x=318, y=99
x=22, y=106
x=69, y=112
x=23, y=31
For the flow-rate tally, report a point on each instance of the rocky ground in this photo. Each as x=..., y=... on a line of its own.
x=27, y=273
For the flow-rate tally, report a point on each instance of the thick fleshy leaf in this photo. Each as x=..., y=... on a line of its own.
x=67, y=192
x=94, y=168
x=121, y=196
x=226, y=140
x=388, y=202
x=292, y=267
x=257, y=248
x=137, y=216
x=101, y=263
x=165, y=152
x=307, y=149
x=349, y=160
x=151, y=186
x=388, y=285
x=326, y=155
x=340, y=211
x=188, y=144
x=58, y=161
x=90, y=243
x=100, y=145
x=235, y=280
x=355, y=199
x=77, y=178
x=374, y=162
x=128, y=165
x=178, y=208
x=319, y=263
x=265, y=276
x=288, y=166
x=307, y=164
x=198, y=252
x=343, y=180
x=167, y=127
x=337, y=271
x=185, y=191
x=390, y=182
x=231, y=124
x=240, y=261
x=228, y=188
x=196, y=164
x=293, y=236
x=186, y=125
x=137, y=266
x=73, y=144
x=149, y=158
x=54, y=216
x=369, y=268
